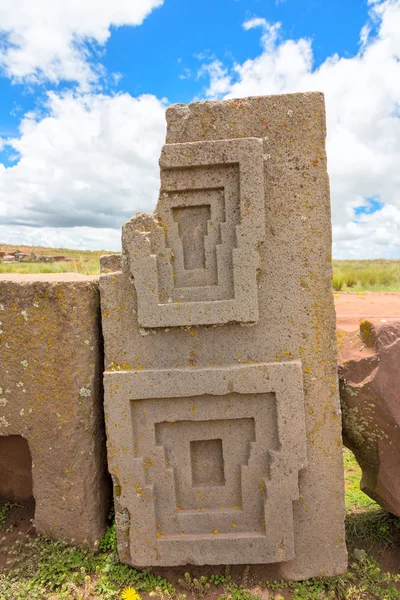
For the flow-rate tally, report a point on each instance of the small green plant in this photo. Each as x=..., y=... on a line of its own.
x=163, y=594
x=236, y=592
x=108, y=542
x=4, y=510
x=350, y=279
x=83, y=592
x=199, y=587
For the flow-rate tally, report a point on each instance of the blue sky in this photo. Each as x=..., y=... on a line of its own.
x=183, y=31
x=83, y=88
x=154, y=58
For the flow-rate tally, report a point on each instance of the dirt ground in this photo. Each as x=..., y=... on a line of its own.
x=18, y=524
x=351, y=308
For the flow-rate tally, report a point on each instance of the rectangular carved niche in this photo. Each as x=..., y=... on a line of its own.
x=207, y=461
x=195, y=262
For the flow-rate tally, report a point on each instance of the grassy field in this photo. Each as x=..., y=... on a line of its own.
x=366, y=275
x=80, y=261
x=348, y=275
x=39, y=568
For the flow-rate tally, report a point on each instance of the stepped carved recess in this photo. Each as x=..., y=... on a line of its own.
x=216, y=457
x=194, y=261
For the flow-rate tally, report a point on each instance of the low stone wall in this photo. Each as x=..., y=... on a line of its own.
x=51, y=362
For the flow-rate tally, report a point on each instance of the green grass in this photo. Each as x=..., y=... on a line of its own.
x=355, y=499
x=45, y=569
x=348, y=275
x=84, y=266
x=367, y=524
x=81, y=261
x=366, y=275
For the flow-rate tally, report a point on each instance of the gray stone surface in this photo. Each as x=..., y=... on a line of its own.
x=50, y=394
x=210, y=446
x=240, y=410
x=195, y=262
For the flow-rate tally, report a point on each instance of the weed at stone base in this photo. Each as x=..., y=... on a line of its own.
x=235, y=592
x=231, y=591
x=82, y=593
x=163, y=594
x=367, y=577
x=199, y=586
x=4, y=511
x=109, y=540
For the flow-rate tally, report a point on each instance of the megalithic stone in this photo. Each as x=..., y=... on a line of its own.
x=52, y=441
x=221, y=396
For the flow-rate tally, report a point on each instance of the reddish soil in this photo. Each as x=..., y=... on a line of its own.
x=351, y=308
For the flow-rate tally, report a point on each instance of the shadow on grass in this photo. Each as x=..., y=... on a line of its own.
x=371, y=528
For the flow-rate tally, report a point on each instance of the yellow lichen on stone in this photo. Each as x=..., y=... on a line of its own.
x=367, y=333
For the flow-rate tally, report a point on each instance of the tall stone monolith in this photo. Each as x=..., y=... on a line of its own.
x=221, y=397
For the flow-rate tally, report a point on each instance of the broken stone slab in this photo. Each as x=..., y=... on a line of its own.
x=369, y=372
x=219, y=325
x=51, y=397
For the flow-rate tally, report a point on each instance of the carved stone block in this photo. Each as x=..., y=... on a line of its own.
x=222, y=296
x=195, y=262
x=52, y=440
x=216, y=455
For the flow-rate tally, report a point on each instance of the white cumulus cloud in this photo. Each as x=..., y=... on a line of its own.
x=88, y=161
x=363, y=117
x=87, y=165
x=53, y=39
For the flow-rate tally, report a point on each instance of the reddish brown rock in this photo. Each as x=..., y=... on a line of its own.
x=369, y=372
